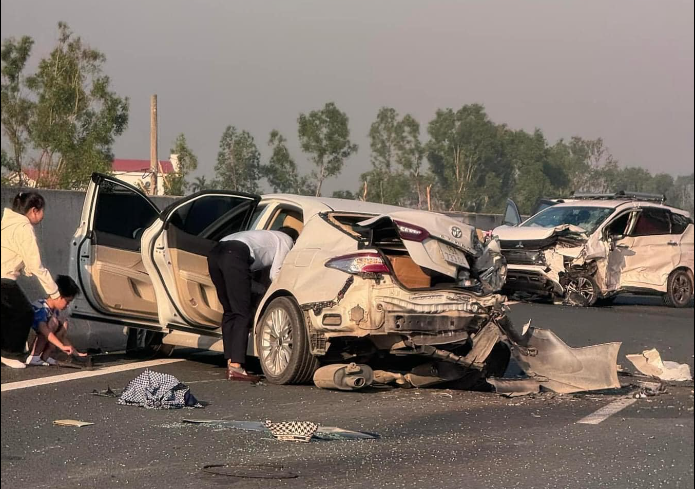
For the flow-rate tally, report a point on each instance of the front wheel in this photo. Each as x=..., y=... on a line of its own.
x=283, y=344
x=680, y=289
x=582, y=291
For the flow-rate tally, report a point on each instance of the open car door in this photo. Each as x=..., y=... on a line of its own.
x=511, y=214
x=105, y=258
x=175, y=250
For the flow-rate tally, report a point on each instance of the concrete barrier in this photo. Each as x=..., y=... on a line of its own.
x=54, y=234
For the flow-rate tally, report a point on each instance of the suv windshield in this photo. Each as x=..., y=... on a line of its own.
x=587, y=218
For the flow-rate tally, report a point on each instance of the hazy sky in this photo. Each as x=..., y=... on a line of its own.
x=621, y=70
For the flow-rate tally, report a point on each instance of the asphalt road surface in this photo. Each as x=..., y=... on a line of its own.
x=429, y=437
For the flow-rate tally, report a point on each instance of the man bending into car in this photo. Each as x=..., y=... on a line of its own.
x=231, y=264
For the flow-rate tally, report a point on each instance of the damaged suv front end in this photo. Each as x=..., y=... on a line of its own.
x=597, y=247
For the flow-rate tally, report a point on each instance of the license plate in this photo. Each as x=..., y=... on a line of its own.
x=453, y=255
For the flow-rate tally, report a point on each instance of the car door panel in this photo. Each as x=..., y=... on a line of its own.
x=105, y=256
x=653, y=251
x=121, y=281
x=197, y=293
x=177, y=249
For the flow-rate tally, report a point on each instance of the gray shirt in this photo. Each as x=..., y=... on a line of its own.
x=268, y=248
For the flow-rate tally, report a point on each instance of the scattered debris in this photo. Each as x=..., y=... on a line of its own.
x=154, y=390
x=71, y=422
x=250, y=471
x=343, y=377
x=321, y=433
x=515, y=387
x=649, y=363
x=649, y=389
x=562, y=369
x=107, y=393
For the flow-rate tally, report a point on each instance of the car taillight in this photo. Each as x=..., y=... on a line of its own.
x=359, y=263
x=411, y=232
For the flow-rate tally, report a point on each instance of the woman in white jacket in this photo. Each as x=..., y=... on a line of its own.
x=20, y=253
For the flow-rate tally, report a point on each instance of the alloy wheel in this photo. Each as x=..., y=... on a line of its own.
x=276, y=341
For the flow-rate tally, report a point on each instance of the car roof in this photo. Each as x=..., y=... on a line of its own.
x=617, y=203
x=314, y=205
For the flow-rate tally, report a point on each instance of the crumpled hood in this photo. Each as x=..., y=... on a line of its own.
x=523, y=233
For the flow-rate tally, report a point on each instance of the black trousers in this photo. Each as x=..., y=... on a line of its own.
x=17, y=316
x=229, y=264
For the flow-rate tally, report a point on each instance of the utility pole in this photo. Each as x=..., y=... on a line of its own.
x=154, y=158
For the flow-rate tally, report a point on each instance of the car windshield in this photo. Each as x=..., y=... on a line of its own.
x=587, y=218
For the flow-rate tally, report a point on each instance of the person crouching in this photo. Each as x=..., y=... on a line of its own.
x=50, y=326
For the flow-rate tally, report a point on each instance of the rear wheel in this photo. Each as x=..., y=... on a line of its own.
x=283, y=344
x=680, y=289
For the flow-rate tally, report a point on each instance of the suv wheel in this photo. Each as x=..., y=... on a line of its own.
x=583, y=290
x=283, y=344
x=680, y=289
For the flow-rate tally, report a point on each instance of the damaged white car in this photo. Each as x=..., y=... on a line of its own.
x=363, y=281
x=595, y=247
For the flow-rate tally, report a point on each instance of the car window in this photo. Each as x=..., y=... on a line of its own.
x=619, y=225
x=200, y=214
x=285, y=217
x=652, y=222
x=122, y=212
x=679, y=223
x=257, y=216
x=587, y=218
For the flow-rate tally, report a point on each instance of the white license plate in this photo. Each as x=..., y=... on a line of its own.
x=453, y=255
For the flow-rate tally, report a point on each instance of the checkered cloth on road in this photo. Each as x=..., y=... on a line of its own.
x=292, y=430
x=154, y=390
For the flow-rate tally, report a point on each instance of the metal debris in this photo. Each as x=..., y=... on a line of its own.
x=649, y=363
x=71, y=422
x=344, y=377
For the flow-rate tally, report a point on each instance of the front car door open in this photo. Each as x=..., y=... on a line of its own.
x=176, y=251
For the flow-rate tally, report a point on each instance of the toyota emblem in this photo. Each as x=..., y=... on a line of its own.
x=456, y=232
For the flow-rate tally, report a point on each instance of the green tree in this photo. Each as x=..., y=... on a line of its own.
x=344, y=194
x=17, y=108
x=77, y=117
x=396, y=157
x=176, y=184
x=238, y=161
x=281, y=170
x=201, y=183
x=463, y=144
x=325, y=135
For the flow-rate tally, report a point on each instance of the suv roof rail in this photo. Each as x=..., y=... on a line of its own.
x=621, y=195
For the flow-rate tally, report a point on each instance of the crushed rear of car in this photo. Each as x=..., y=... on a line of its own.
x=410, y=284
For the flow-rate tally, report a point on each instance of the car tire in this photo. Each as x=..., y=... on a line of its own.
x=680, y=289
x=585, y=290
x=283, y=346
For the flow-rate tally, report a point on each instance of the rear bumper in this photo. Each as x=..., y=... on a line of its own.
x=531, y=278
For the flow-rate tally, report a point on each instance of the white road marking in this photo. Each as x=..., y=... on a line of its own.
x=24, y=384
x=607, y=411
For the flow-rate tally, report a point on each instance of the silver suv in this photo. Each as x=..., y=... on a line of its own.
x=595, y=246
